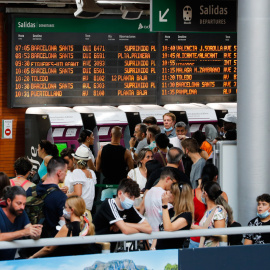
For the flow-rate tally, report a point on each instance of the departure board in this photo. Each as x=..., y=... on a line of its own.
x=61, y=60
x=66, y=61
x=198, y=67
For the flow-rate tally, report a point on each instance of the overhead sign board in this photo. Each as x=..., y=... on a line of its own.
x=193, y=16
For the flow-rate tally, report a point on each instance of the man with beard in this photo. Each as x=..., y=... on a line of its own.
x=140, y=138
x=14, y=222
x=151, y=133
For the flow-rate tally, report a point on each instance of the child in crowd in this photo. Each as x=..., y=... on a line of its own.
x=262, y=219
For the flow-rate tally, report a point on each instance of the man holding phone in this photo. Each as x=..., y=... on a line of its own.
x=14, y=222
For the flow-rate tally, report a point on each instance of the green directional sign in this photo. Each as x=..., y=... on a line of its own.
x=163, y=15
x=193, y=15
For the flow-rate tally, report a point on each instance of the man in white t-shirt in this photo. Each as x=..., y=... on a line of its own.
x=67, y=155
x=181, y=130
x=153, y=201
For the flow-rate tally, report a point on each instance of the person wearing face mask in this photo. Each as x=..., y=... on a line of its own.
x=180, y=196
x=218, y=213
x=169, y=120
x=119, y=215
x=79, y=225
x=262, y=219
x=209, y=173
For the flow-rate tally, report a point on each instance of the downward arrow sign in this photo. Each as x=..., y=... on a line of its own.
x=161, y=17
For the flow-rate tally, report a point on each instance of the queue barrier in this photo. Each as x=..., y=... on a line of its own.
x=122, y=237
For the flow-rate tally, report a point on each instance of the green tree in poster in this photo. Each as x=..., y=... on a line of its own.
x=171, y=267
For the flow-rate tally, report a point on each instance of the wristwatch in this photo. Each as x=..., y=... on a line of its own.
x=165, y=206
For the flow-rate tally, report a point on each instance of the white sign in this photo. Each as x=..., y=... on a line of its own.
x=65, y=119
x=201, y=115
x=7, y=129
x=71, y=132
x=58, y=132
x=103, y=131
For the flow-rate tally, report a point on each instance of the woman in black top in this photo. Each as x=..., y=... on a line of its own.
x=79, y=226
x=181, y=198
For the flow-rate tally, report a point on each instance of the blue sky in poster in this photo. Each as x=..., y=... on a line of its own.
x=154, y=260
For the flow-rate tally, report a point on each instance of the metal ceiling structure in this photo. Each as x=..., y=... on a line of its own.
x=68, y=6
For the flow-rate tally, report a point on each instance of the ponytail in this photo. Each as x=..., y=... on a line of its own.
x=55, y=151
x=221, y=201
x=87, y=227
x=50, y=149
x=214, y=193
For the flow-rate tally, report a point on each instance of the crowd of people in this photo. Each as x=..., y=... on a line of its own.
x=165, y=181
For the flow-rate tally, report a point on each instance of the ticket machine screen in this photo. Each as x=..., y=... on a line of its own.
x=61, y=146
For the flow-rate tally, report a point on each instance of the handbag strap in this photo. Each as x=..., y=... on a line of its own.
x=206, y=224
x=135, y=175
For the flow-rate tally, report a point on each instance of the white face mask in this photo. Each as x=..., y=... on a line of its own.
x=66, y=214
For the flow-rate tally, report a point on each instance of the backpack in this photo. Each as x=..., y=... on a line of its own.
x=34, y=205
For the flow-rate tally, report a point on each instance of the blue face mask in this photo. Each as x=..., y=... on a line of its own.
x=127, y=203
x=168, y=129
x=263, y=215
x=203, y=200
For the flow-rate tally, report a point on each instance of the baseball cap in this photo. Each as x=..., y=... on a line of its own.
x=230, y=117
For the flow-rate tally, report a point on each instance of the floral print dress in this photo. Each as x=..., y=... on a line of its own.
x=220, y=213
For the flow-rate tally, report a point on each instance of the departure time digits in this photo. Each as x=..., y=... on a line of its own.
x=140, y=68
x=82, y=70
x=196, y=69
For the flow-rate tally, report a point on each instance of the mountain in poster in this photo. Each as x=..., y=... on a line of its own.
x=116, y=265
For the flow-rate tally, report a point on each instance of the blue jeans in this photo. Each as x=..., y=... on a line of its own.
x=193, y=244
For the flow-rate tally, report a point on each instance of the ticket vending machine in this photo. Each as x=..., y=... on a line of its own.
x=101, y=119
x=194, y=114
x=223, y=108
x=59, y=125
x=137, y=113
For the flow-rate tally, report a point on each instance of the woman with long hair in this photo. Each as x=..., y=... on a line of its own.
x=181, y=198
x=4, y=182
x=83, y=179
x=139, y=174
x=87, y=139
x=46, y=150
x=221, y=217
x=79, y=225
x=23, y=167
x=209, y=173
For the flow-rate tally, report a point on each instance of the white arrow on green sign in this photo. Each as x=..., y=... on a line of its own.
x=163, y=15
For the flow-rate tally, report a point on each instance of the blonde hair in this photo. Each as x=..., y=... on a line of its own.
x=81, y=164
x=172, y=115
x=183, y=199
x=77, y=203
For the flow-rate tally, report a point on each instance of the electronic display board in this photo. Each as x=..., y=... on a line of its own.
x=198, y=67
x=70, y=61
x=110, y=61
